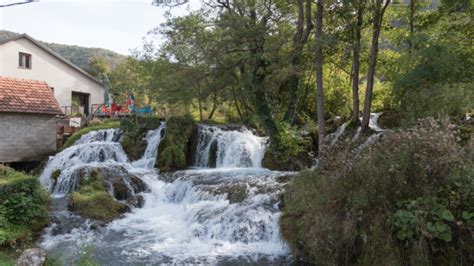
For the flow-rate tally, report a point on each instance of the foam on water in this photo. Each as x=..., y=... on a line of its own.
x=233, y=148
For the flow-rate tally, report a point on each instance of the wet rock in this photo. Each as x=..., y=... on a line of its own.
x=213, y=155
x=235, y=193
x=32, y=257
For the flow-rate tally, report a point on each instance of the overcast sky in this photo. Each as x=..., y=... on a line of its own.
x=118, y=25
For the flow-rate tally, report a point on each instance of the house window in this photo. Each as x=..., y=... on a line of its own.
x=24, y=60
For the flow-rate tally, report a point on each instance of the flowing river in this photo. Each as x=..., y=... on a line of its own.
x=222, y=210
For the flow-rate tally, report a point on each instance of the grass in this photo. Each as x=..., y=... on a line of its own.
x=6, y=259
x=77, y=135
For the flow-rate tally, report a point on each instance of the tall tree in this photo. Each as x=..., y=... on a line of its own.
x=319, y=74
x=379, y=8
x=304, y=26
x=356, y=60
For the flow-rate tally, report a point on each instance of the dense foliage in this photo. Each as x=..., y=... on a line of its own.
x=23, y=205
x=407, y=200
x=255, y=62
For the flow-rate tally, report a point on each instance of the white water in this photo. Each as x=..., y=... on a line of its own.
x=188, y=217
x=153, y=139
x=234, y=148
x=373, y=124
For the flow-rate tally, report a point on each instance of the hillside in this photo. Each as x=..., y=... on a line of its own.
x=78, y=55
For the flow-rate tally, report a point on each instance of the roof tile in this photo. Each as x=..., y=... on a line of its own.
x=27, y=96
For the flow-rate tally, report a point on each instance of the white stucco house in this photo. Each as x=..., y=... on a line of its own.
x=23, y=57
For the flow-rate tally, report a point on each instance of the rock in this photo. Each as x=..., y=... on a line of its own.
x=122, y=184
x=32, y=257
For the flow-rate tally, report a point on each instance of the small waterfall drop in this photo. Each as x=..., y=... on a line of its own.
x=221, y=148
x=373, y=124
x=153, y=139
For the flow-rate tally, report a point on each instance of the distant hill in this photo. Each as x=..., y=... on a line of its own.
x=80, y=56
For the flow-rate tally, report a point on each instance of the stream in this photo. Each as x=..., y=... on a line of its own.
x=222, y=210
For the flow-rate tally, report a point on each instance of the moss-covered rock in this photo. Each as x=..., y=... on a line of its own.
x=23, y=204
x=93, y=201
x=174, y=150
x=134, y=131
x=235, y=193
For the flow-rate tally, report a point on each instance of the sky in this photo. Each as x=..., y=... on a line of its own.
x=117, y=25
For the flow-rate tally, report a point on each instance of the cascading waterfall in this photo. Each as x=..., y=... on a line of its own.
x=153, y=139
x=231, y=148
x=203, y=215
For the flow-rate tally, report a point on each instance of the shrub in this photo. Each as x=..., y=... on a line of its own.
x=406, y=200
x=173, y=150
x=22, y=207
x=93, y=201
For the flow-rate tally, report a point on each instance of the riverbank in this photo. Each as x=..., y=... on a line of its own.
x=405, y=200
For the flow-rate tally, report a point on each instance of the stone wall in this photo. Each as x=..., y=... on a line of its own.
x=26, y=137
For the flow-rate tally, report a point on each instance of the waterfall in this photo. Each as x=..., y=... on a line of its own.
x=221, y=148
x=68, y=160
x=373, y=124
x=339, y=131
x=227, y=214
x=153, y=139
x=105, y=135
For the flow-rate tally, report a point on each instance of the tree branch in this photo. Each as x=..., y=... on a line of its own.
x=18, y=3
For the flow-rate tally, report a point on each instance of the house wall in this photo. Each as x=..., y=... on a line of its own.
x=59, y=75
x=26, y=137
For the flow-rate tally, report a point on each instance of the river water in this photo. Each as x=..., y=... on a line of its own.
x=222, y=210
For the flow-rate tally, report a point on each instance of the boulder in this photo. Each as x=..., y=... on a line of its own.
x=32, y=257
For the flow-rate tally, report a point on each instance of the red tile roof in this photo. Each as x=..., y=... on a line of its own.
x=27, y=96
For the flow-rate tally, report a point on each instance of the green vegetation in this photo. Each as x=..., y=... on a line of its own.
x=6, y=259
x=93, y=201
x=408, y=200
x=173, y=151
x=77, y=135
x=134, y=130
x=23, y=205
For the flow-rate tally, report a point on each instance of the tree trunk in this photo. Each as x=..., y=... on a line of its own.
x=236, y=103
x=411, y=25
x=293, y=85
x=262, y=107
x=319, y=74
x=214, y=107
x=377, y=25
x=356, y=62
x=301, y=37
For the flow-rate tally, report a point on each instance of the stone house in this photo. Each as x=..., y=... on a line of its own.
x=76, y=91
x=28, y=115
